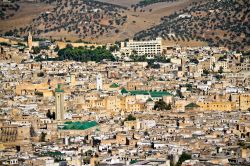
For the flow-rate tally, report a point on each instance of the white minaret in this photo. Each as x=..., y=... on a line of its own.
x=99, y=82
x=59, y=94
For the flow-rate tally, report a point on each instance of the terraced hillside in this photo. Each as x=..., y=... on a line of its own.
x=219, y=23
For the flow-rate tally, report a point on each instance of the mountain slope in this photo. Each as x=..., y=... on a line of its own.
x=220, y=23
x=100, y=21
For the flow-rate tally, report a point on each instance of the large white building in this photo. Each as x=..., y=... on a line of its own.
x=149, y=48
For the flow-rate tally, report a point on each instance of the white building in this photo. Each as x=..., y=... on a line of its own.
x=99, y=82
x=149, y=48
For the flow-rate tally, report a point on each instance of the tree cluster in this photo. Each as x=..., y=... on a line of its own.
x=162, y=105
x=226, y=25
x=130, y=118
x=82, y=18
x=51, y=115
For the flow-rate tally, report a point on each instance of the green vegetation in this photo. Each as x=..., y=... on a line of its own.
x=21, y=44
x=5, y=44
x=218, y=77
x=70, y=22
x=229, y=18
x=220, y=70
x=184, y=156
x=41, y=74
x=51, y=115
x=114, y=48
x=189, y=87
x=38, y=93
x=80, y=54
x=206, y=72
x=130, y=118
x=152, y=63
x=179, y=93
x=42, y=137
x=144, y=3
x=36, y=50
x=162, y=105
x=83, y=54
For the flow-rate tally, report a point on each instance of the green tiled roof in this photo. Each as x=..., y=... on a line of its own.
x=58, y=89
x=79, y=125
x=139, y=92
x=159, y=94
x=151, y=93
x=124, y=91
x=114, y=85
x=191, y=105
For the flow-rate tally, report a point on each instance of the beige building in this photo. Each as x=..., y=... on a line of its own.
x=59, y=95
x=217, y=106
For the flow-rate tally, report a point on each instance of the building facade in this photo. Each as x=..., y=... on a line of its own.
x=149, y=48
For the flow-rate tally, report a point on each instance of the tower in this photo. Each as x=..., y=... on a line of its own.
x=99, y=82
x=72, y=79
x=30, y=41
x=59, y=95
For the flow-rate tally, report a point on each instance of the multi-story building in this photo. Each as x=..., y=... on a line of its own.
x=149, y=48
x=217, y=106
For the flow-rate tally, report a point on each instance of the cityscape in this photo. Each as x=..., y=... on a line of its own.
x=123, y=88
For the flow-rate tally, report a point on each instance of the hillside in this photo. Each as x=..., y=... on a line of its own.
x=219, y=23
x=99, y=21
x=184, y=22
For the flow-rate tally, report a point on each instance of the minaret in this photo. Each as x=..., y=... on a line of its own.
x=99, y=82
x=30, y=41
x=59, y=95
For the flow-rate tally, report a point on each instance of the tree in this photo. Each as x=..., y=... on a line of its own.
x=184, y=156
x=32, y=131
x=41, y=74
x=162, y=105
x=36, y=50
x=42, y=137
x=53, y=115
x=130, y=118
x=48, y=115
x=57, y=49
x=206, y=72
x=220, y=70
x=84, y=55
x=69, y=46
x=146, y=133
x=179, y=93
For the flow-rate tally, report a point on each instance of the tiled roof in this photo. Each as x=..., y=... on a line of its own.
x=79, y=125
